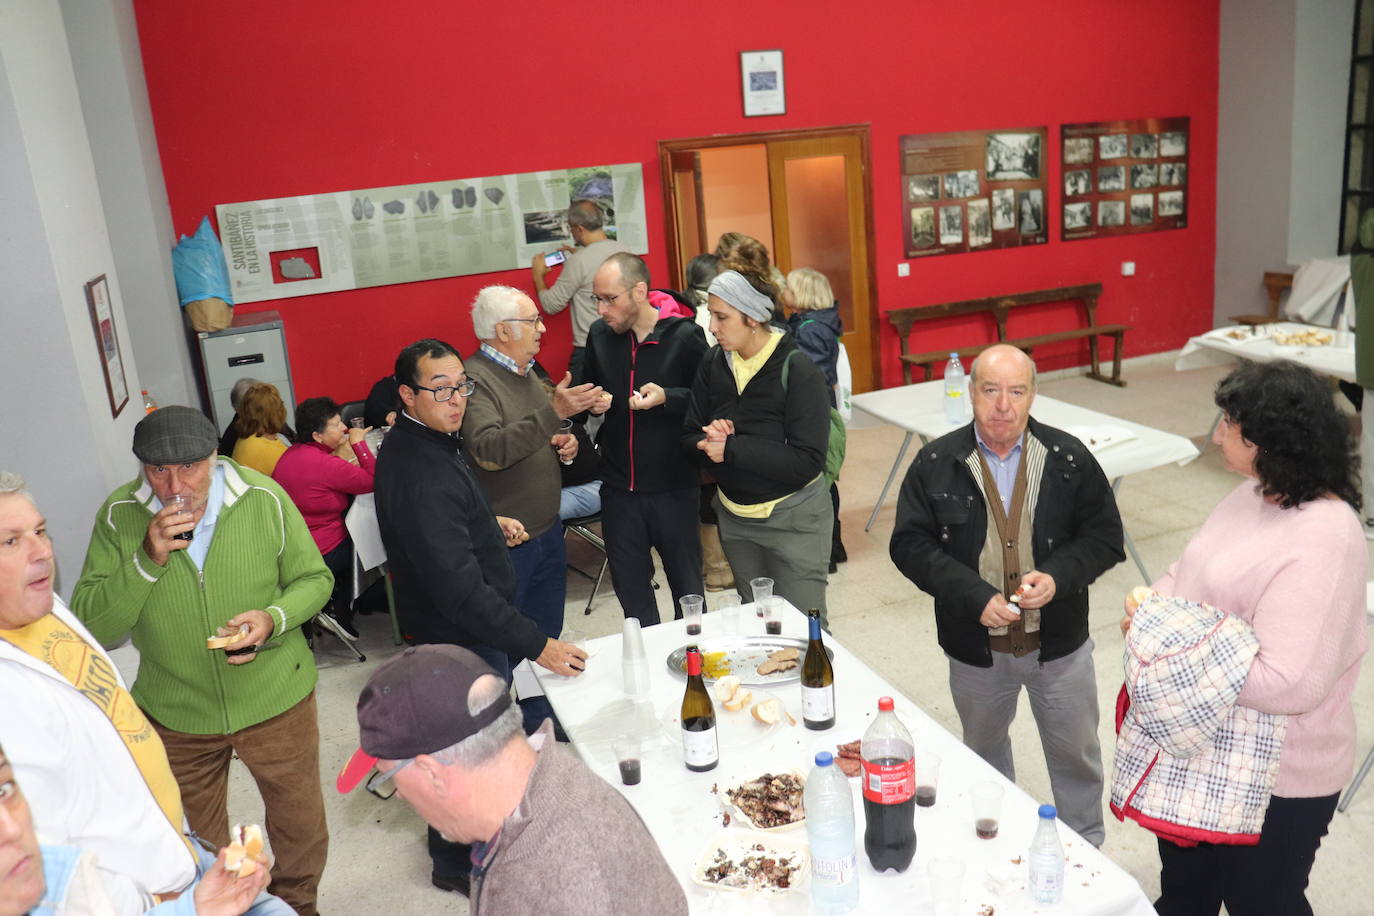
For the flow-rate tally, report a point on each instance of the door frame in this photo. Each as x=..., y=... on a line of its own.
x=666, y=149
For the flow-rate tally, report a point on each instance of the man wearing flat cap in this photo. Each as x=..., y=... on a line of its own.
x=437, y=726
x=645, y=357
x=195, y=547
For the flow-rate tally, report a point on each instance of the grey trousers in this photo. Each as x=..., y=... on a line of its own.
x=791, y=546
x=1063, y=698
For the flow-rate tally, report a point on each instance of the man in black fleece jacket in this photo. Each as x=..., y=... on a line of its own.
x=649, y=488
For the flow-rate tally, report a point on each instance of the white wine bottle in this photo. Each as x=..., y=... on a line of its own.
x=700, y=748
x=817, y=679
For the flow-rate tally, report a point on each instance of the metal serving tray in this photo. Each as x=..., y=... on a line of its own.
x=741, y=655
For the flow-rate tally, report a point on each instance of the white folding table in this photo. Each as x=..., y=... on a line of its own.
x=684, y=814
x=1127, y=448
x=1220, y=346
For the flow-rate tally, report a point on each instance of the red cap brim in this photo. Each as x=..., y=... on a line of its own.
x=354, y=771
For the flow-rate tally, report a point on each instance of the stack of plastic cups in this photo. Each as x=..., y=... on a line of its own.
x=634, y=661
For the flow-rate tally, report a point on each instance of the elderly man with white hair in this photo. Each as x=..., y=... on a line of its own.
x=514, y=438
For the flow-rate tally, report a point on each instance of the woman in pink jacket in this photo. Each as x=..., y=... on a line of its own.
x=1284, y=551
x=322, y=486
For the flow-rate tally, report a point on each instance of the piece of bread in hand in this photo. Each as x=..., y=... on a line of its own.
x=242, y=853
x=1140, y=594
x=226, y=637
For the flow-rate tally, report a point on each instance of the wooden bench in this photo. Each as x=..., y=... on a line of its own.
x=1275, y=285
x=999, y=307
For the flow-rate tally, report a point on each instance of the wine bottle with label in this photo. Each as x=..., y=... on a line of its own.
x=817, y=679
x=700, y=748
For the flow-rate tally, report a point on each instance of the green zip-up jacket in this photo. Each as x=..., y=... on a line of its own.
x=262, y=558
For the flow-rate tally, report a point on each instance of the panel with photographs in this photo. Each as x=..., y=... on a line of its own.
x=1124, y=177
x=974, y=190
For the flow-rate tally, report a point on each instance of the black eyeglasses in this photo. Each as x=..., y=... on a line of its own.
x=445, y=392
x=383, y=785
x=607, y=300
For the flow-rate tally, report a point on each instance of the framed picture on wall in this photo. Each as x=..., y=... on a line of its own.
x=107, y=341
x=762, y=82
x=1129, y=159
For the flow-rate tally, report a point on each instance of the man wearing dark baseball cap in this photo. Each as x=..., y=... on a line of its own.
x=437, y=725
x=195, y=547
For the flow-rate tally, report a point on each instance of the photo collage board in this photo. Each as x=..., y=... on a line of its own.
x=1124, y=177
x=974, y=190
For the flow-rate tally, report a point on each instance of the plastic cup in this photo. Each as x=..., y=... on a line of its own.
x=729, y=612
x=692, y=607
x=355, y=422
x=946, y=885
x=987, y=809
x=772, y=615
x=630, y=759
x=182, y=503
x=565, y=429
x=927, y=778
x=762, y=588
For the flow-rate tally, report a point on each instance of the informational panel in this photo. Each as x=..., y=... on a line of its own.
x=1123, y=177
x=322, y=243
x=973, y=191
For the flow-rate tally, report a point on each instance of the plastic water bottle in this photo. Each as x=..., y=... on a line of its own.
x=1046, y=860
x=956, y=392
x=149, y=405
x=830, y=830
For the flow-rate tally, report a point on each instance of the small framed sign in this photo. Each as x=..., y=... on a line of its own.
x=111, y=358
x=761, y=78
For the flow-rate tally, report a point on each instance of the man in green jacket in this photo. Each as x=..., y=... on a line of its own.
x=197, y=547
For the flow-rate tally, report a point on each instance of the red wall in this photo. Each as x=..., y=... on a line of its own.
x=261, y=99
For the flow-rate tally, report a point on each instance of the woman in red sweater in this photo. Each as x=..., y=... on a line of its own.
x=322, y=485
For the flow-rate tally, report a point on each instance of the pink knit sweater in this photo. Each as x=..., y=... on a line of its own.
x=1298, y=577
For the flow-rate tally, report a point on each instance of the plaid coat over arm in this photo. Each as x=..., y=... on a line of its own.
x=1191, y=766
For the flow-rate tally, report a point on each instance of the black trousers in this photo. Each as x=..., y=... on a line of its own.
x=634, y=522
x=1270, y=878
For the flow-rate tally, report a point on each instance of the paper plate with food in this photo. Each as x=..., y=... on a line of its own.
x=754, y=862
x=767, y=801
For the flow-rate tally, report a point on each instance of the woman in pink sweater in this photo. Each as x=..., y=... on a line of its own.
x=322, y=486
x=1285, y=552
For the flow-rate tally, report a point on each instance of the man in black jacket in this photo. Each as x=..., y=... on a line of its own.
x=1005, y=522
x=447, y=551
x=649, y=489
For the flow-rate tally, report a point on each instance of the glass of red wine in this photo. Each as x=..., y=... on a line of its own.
x=692, y=608
x=182, y=502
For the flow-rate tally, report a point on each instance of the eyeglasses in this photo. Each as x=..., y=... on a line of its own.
x=607, y=300
x=383, y=785
x=538, y=319
x=444, y=392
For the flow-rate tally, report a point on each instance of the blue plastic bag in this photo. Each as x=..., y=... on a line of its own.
x=198, y=266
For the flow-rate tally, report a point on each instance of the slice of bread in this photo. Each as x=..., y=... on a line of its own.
x=741, y=699
x=241, y=855
x=726, y=687
x=767, y=712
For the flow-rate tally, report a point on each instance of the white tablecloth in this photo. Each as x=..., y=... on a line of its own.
x=684, y=815
x=1216, y=348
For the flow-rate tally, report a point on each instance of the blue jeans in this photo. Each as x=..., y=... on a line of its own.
x=580, y=501
x=541, y=589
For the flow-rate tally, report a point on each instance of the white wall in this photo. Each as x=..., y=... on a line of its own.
x=58, y=431
x=1284, y=78
x=114, y=102
x=1321, y=86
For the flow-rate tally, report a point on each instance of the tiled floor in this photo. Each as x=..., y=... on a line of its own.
x=378, y=864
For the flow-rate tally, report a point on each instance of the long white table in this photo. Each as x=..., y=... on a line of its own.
x=1217, y=347
x=684, y=815
x=919, y=410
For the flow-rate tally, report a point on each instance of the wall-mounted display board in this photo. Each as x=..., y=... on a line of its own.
x=1123, y=177
x=973, y=190
x=322, y=243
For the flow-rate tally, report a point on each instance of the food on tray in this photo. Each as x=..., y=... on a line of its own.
x=241, y=855
x=772, y=800
x=1308, y=337
x=779, y=661
x=226, y=637
x=848, y=758
x=1241, y=333
x=767, y=711
x=759, y=868
x=731, y=694
x=715, y=665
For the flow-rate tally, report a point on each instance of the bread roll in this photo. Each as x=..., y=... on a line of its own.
x=740, y=700
x=726, y=688
x=767, y=711
x=242, y=853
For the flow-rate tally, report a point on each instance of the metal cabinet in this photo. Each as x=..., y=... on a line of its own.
x=254, y=346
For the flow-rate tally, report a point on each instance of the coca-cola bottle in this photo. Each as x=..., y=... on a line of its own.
x=889, y=789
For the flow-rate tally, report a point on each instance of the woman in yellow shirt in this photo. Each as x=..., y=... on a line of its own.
x=261, y=418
